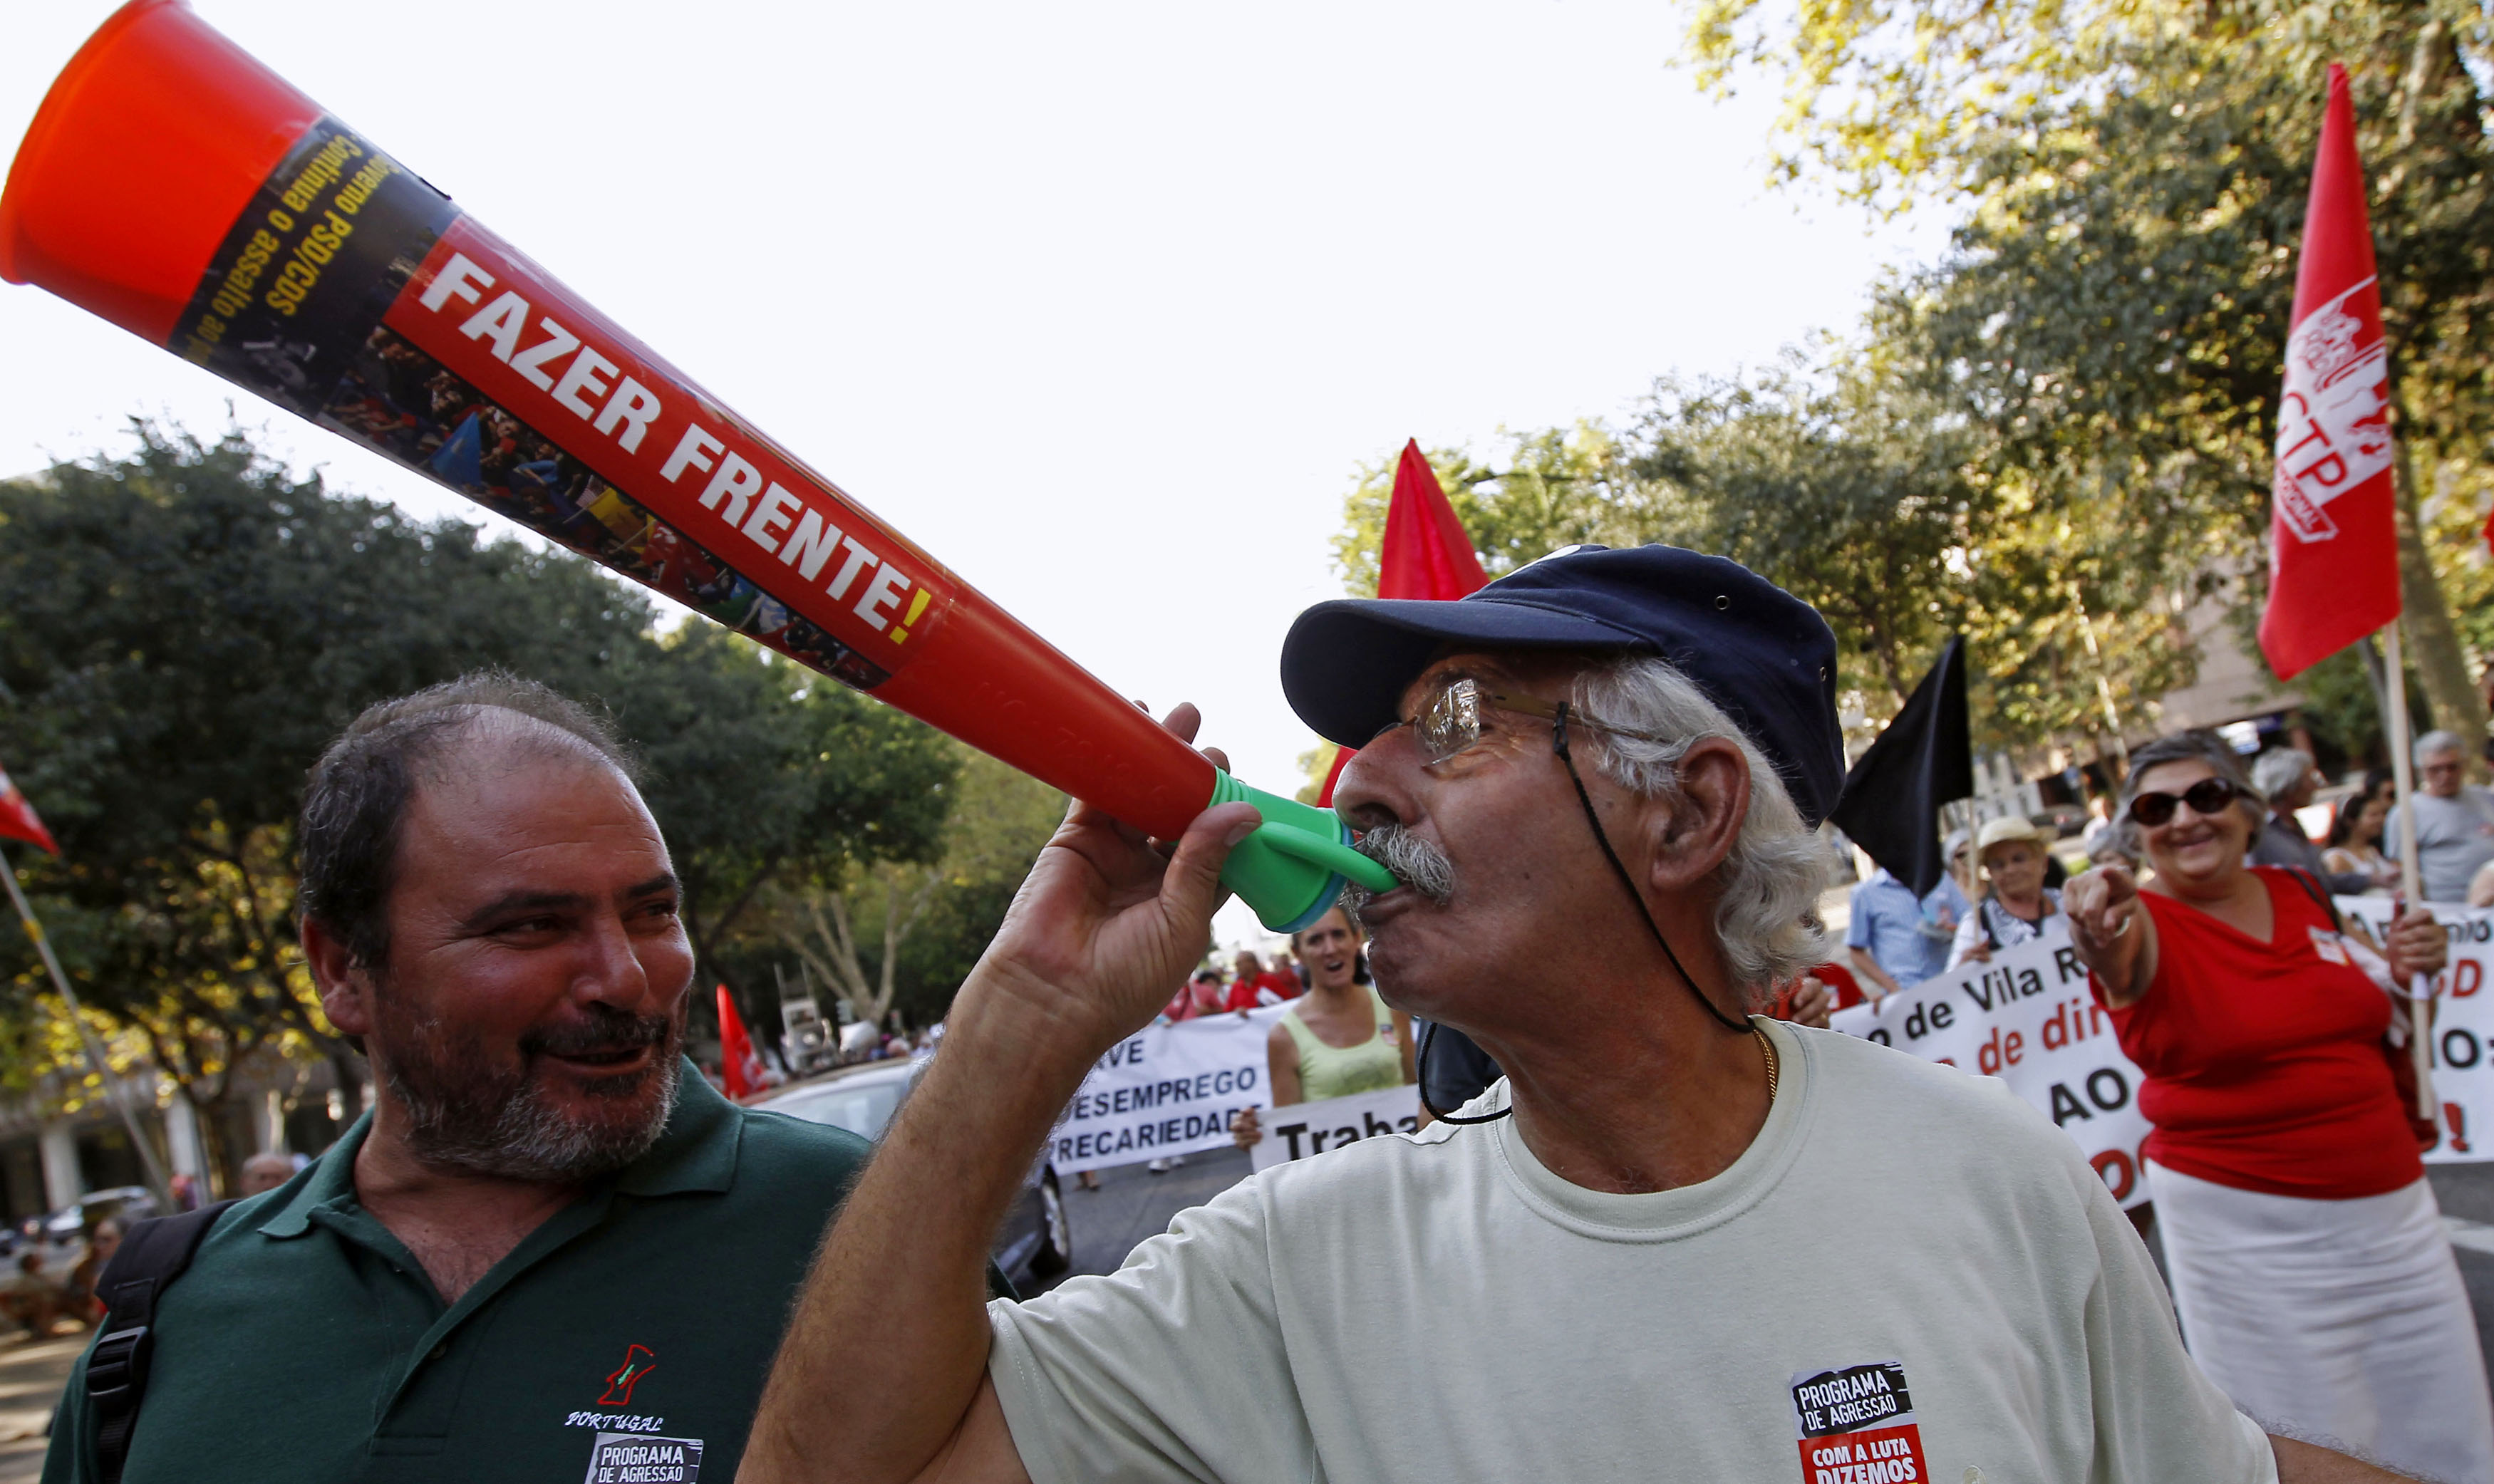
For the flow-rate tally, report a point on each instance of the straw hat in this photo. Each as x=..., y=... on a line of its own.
x=2006, y=831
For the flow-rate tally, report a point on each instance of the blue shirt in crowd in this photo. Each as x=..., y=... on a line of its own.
x=1890, y=921
x=1944, y=906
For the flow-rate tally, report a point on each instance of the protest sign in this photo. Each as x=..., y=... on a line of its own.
x=1167, y=1089
x=2026, y=1017
x=1304, y=1128
x=2463, y=1026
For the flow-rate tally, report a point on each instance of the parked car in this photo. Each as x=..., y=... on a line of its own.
x=1036, y=1242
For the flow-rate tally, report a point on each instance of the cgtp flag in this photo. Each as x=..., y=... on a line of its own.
x=1425, y=553
x=2333, y=548
x=738, y=1068
x=17, y=819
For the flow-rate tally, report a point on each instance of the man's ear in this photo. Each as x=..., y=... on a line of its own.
x=345, y=986
x=1695, y=831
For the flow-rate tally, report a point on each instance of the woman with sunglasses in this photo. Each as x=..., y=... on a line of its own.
x=2306, y=1253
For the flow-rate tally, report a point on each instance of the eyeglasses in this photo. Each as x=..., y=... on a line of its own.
x=2207, y=798
x=1452, y=725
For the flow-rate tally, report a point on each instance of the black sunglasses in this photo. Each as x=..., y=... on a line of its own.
x=2207, y=798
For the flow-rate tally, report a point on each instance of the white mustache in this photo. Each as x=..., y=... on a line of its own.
x=1415, y=862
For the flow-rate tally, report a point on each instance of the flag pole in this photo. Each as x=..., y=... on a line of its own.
x=114, y=1090
x=2394, y=707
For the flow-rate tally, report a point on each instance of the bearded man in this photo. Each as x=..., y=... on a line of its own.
x=1676, y=1241
x=549, y=1251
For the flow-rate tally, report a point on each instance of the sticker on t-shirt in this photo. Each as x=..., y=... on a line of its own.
x=1856, y=1425
x=637, y=1458
x=2329, y=945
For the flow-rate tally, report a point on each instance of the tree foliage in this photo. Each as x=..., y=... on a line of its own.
x=2130, y=182
x=1837, y=487
x=185, y=629
x=762, y=772
x=186, y=626
x=895, y=933
x=1856, y=491
x=2055, y=438
x=1558, y=486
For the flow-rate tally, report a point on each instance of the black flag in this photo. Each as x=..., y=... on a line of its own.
x=1891, y=798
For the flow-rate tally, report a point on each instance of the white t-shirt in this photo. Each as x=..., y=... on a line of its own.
x=1439, y=1307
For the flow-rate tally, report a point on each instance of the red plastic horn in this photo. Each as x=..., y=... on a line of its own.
x=176, y=187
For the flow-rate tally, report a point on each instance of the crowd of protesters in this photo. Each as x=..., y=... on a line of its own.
x=2303, y=1243
x=489, y=908
x=2002, y=885
x=42, y=1301
x=1253, y=984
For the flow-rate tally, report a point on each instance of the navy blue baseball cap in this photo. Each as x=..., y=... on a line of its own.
x=1757, y=650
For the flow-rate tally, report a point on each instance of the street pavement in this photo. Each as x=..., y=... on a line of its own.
x=31, y=1374
x=1133, y=1204
x=1130, y=1206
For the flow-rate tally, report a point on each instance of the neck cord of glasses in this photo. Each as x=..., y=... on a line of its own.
x=1738, y=1027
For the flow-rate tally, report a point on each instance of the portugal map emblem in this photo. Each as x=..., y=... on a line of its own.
x=638, y=1362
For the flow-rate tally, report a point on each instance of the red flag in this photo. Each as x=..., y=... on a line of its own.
x=2333, y=549
x=737, y=1066
x=17, y=819
x=1425, y=553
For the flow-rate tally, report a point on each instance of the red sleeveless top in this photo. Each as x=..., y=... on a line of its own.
x=2263, y=1063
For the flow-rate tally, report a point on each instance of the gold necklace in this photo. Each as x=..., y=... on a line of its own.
x=1768, y=1046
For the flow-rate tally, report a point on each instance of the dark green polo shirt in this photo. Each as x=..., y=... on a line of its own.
x=623, y=1342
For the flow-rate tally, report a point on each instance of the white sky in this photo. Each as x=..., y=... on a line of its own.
x=1100, y=303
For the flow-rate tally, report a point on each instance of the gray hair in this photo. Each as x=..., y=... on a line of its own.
x=2115, y=841
x=362, y=787
x=1767, y=920
x=2195, y=746
x=2280, y=769
x=2436, y=744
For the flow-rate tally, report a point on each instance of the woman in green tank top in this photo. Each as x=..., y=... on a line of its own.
x=1337, y=1039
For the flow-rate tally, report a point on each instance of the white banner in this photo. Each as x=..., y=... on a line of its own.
x=1303, y=1129
x=1167, y=1089
x=2463, y=1027
x=2027, y=1018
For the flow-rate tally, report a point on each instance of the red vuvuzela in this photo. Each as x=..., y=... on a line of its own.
x=176, y=187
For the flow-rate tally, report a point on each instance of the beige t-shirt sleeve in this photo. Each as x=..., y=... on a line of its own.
x=2158, y=1420
x=1170, y=1368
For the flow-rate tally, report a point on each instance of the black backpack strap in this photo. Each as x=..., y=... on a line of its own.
x=2312, y=888
x=153, y=1254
